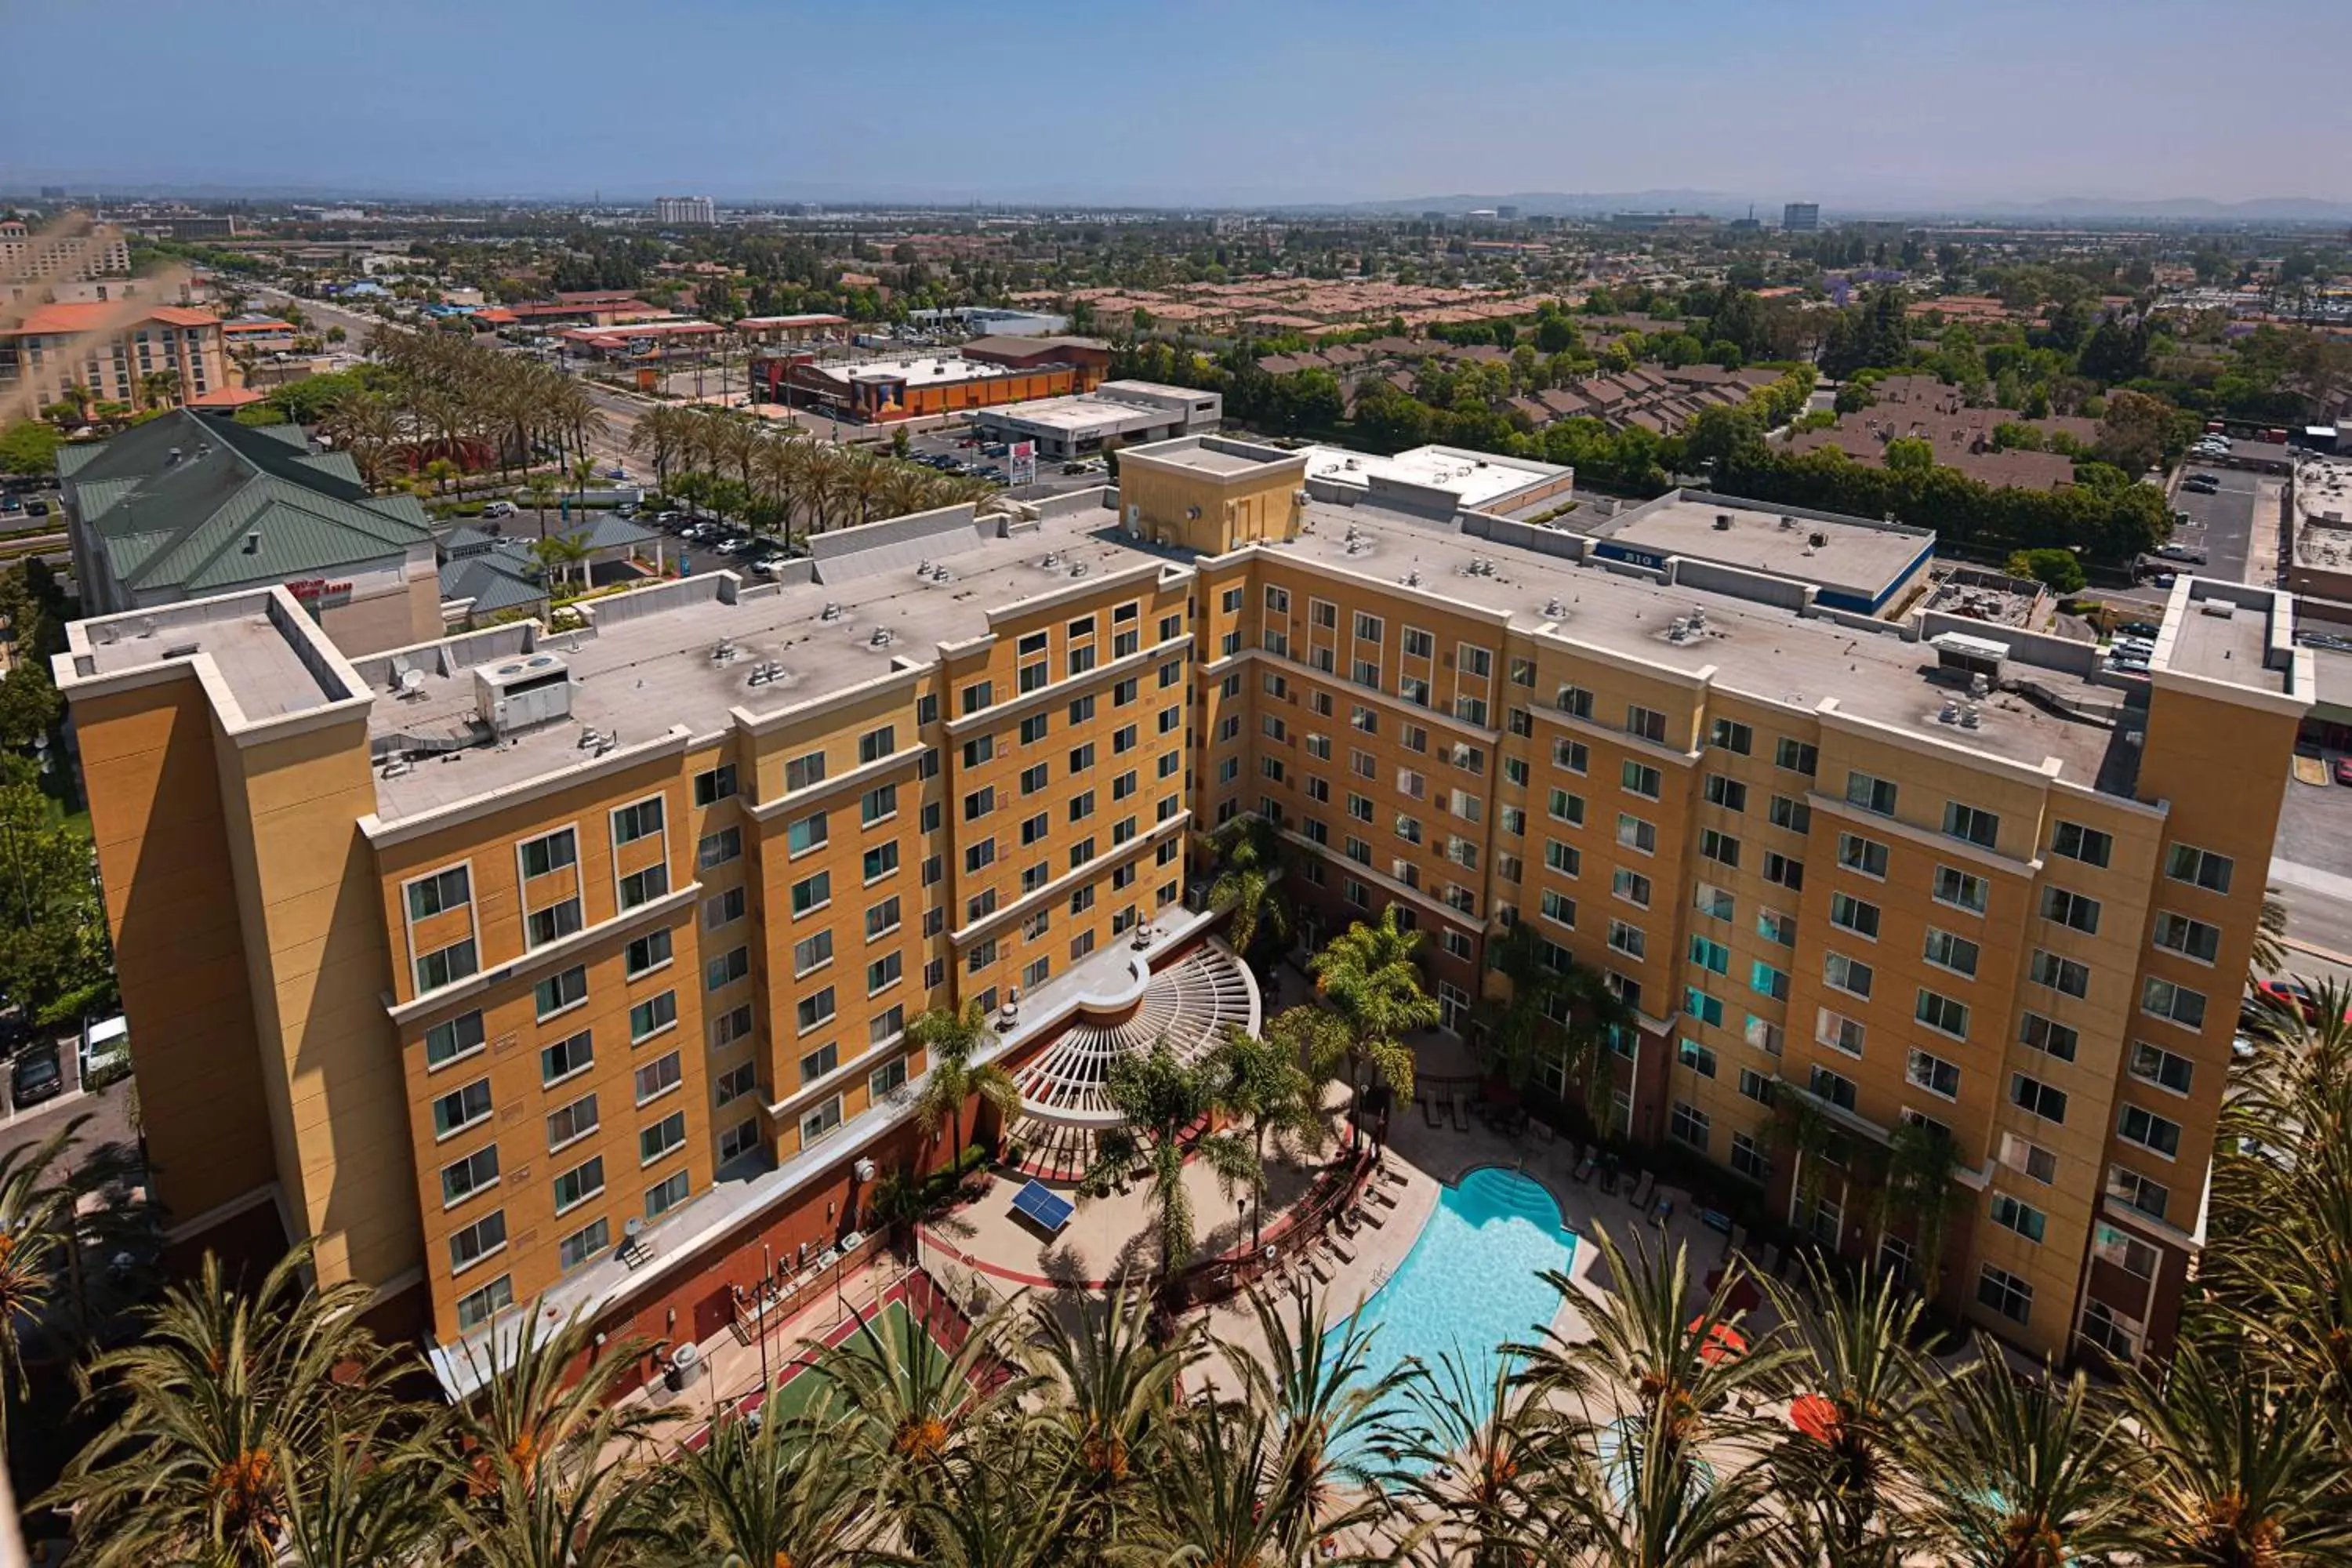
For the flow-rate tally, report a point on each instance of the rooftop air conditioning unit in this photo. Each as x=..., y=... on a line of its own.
x=518, y=694
x=1723, y=522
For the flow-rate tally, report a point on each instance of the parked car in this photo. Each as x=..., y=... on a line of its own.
x=2325, y=639
x=36, y=508
x=2189, y=553
x=2291, y=995
x=2137, y=629
x=35, y=1075
x=105, y=1044
x=2162, y=580
x=499, y=509
x=2343, y=770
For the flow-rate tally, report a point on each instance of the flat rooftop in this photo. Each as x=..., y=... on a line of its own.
x=1080, y=413
x=1811, y=547
x=1759, y=651
x=1475, y=478
x=2221, y=634
x=2323, y=514
x=914, y=369
x=1220, y=454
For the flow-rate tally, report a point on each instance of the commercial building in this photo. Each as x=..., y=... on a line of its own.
x=809, y=327
x=1438, y=480
x=188, y=505
x=581, y=964
x=682, y=210
x=258, y=335
x=2321, y=530
x=61, y=257
x=1852, y=564
x=1801, y=217
x=879, y=391
x=1089, y=358
x=1116, y=414
x=109, y=348
x=992, y=320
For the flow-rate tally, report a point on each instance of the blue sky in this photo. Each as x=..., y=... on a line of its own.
x=1886, y=104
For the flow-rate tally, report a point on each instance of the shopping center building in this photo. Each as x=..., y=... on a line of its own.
x=581, y=965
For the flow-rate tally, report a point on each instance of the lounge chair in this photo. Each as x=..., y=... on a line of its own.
x=1345, y=1253
x=1461, y=1117
x=1584, y=1167
x=1641, y=1185
x=1321, y=1266
x=1541, y=1128
x=1609, y=1174
x=1393, y=1176
x=1430, y=1109
x=1373, y=1216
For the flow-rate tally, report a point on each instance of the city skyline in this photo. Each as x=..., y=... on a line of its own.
x=1857, y=107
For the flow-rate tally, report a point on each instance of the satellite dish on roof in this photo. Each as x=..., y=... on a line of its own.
x=412, y=681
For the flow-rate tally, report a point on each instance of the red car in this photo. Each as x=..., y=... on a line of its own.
x=2292, y=996
x=2343, y=770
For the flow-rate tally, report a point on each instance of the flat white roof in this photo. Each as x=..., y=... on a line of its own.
x=1473, y=477
x=914, y=370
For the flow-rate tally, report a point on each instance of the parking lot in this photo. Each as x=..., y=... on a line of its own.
x=971, y=453
x=2221, y=523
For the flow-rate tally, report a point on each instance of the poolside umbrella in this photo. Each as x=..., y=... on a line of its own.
x=1816, y=1416
x=1724, y=1343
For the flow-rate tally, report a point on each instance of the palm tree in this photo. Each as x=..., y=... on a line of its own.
x=1262, y=1082
x=1480, y=1461
x=1224, y=1497
x=1644, y=1499
x=1332, y=1415
x=2022, y=1472
x=37, y=1217
x=1549, y=1015
x=1112, y=1392
x=542, y=1475
x=1159, y=1099
x=2232, y=1472
x=1856, y=1347
x=560, y=555
x=763, y=1492
x=1921, y=1162
x=371, y=1494
x=1249, y=858
x=160, y=389
x=227, y=1402
x=540, y=489
x=949, y=1038
x=2269, y=952
x=1009, y=1505
x=441, y=470
x=911, y=1413
x=1368, y=974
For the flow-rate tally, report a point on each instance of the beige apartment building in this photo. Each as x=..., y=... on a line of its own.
x=110, y=348
x=61, y=257
x=580, y=965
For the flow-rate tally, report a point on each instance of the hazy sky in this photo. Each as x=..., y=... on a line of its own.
x=1882, y=102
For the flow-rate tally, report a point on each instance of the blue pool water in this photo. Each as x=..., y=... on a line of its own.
x=1474, y=1279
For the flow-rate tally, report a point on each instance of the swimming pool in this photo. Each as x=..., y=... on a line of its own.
x=1474, y=1279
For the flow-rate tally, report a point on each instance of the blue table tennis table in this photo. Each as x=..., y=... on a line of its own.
x=1042, y=1208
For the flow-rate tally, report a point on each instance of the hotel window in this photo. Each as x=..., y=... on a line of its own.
x=726, y=969
x=1796, y=756
x=2028, y=1158
x=739, y=1141
x=459, y=1107
x=2136, y=1192
x=811, y=892
x=716, y=784
x=551, y=852
x=887, y=1025
x=647, y=953
x=1866, y=855
x=577, y=1184
x=736, y=1082
x=1629, y=940
x=2001, y=1291
x=730, y=1027
x=2189, y=938
x=476, y=1241
x=2070, y=909
x=1710, y=956
x=882, y=918
x=1559, y=908
x=1631, y=886
x=813, y=1009
x=459, y=1037
x=2164, y=999
x=2032, y=1095
x=812, y=953
x=1850, y=914
x=1946, y=950
x=2050, y=1037
x=552, y=923
x=877, y=805
x=445, y=966
x=976, y=696
x=1716, y=903
x=1636, y=834
x=883, y=972
x=1641, y=779
x=1774, y=926
x=817, y=1063
x=2156, y=1134
x=2063, y=976
x=1838, y=1032
x=565, y=1057
x=2154, y=1064
x=464, y=1178
x=1782, y=871
x=1573, y=755
x=1960, y=889
x=668, y=1195
x=1848, y=974
x=2077, y=842
x=640, y=820
x=1728, y=794
x=1747, y=1159
x=1793, y=815
x=1831, y=1087
x=558, y=992
x=441, y=891
x=816, y=1123
x=1973, y=823
x=1764, y=978
x=644, y=887
x=1034, y=728
x=1647, y=723
x=1870, y=794
x=2198, y=867
x=876, y=745
x=652, y=1015
x=2011, y=1214
x=1689, y=1124
x=806, y=833
x=2122, y=1249
x=1731, y=736
x=584, y=1245
x=801, y=771
x=1933, y=1073
x=662, y=1138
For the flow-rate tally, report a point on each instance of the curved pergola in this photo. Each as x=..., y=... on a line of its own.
x=1190, y=1003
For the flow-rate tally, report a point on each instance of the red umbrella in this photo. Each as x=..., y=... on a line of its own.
x=1723, y=1342
x=1815, y=1415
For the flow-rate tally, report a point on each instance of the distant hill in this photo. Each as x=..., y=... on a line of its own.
x=2199, y=209
x=1559, y=204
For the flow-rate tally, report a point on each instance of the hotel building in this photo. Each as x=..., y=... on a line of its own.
x=513, y=964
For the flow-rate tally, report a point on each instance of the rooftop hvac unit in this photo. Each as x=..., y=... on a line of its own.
x=518, y=693
x=1723, y=522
